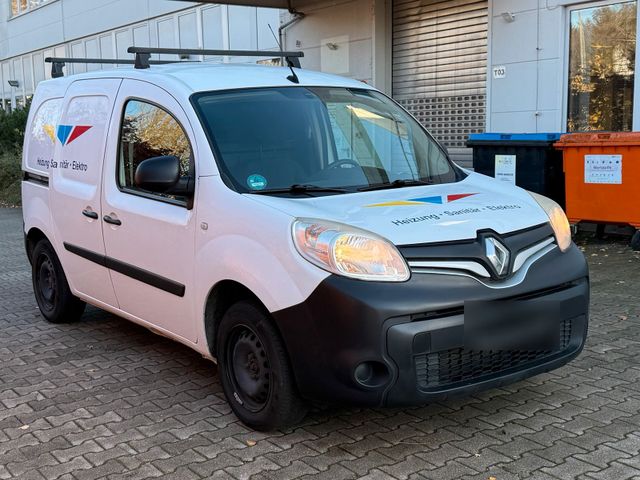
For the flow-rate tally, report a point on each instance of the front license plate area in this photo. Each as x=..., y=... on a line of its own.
x=512, y=325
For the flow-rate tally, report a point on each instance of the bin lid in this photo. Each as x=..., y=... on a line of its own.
x=509, y=138
x=598, y=139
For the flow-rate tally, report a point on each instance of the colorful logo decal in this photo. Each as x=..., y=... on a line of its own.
x=435, y=200
x=68, y=133
x=50, y=130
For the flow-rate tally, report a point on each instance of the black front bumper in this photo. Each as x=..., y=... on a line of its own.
x=412, y=334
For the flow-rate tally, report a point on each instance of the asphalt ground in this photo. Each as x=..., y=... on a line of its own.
x=104, y=398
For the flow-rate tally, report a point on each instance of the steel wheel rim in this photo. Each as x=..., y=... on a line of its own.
x=46, y=284
x=249, y=368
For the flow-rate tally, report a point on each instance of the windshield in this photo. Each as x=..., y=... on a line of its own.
x=313, y=139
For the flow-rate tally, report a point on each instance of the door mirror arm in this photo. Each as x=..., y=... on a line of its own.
x=184, y=187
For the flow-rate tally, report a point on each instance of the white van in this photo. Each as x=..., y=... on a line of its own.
x=301, y=229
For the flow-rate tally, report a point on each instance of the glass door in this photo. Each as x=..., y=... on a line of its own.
x=602, y=53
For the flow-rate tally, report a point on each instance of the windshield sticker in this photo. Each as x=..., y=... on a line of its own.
x=256, y=182
x=435, y=200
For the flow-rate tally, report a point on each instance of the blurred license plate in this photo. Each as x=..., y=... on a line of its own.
x=512, y=325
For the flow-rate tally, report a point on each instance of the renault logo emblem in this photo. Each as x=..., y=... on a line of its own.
x=497, y=254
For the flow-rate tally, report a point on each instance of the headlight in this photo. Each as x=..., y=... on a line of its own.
x=349, y=251
x=558, y=220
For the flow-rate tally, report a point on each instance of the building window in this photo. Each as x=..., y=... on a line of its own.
x=21, y=6
x=602, y=50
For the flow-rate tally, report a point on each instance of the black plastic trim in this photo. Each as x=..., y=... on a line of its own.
x=473, y=248
x=349, y=322
x=35, y=178
x=129, y=270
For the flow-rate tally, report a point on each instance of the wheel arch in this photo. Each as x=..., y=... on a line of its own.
x=31, y=238
x=36, y=215
x=221, y=296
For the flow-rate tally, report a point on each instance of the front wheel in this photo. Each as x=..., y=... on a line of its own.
x=53, y=295
x=254, y=370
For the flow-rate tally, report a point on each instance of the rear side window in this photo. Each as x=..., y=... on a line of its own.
x=42, y=136
x=150, y=131
x=81, y=134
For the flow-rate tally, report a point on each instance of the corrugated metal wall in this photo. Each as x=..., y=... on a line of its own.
x=440, y=67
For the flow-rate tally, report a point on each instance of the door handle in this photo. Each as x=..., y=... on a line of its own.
x=111, y=220
x=90, y=214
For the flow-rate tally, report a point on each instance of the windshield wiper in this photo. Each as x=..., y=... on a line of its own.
x=297, y=188
x=395, y=184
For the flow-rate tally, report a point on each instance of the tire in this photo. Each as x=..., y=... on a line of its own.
x=254, y=370
x=635, y=241
x=53, y=295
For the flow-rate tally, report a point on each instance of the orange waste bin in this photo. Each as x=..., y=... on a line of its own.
x=602, y=178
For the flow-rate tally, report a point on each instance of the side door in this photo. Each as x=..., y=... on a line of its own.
x=76, y=185
x=150, y=237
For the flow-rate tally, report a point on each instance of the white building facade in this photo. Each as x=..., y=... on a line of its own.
x=469, y=66
x=460, y=66
x=31, y=30
x=562, y=65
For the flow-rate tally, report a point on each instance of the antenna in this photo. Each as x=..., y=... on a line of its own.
x=274, y=37
x=293, y=77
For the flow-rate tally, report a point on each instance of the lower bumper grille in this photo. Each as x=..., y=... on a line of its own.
x=448, y=367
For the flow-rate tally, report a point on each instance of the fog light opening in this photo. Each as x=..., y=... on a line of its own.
x=371, y=374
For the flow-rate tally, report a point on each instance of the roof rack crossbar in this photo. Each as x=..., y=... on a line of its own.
x=57, y=63
x=143, y=54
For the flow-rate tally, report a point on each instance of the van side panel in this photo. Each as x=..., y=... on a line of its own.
x=251, y=244
x=75, y=187
x=153, y=244
x=37, y=156
x=35, y=210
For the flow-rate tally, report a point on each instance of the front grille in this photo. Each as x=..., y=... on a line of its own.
x=449, y=367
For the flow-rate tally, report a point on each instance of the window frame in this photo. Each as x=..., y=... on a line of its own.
x=28, y=8
x=566, y=52
x=188, y=202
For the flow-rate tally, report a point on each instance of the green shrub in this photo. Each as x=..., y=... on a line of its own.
x=12, y=127
x=10, y=173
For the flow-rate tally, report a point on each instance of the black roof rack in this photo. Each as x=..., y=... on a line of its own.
x=143, y=58
x=143, y=54
x=57, y=63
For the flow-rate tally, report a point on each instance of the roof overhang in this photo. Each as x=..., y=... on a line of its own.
x=288, y=4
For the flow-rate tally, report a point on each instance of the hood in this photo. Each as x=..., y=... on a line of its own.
x=423, y=214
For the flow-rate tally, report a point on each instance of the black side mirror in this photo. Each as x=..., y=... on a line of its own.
x=158, y=174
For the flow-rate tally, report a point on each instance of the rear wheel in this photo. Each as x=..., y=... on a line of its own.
x=254, y=370
x=53, y=295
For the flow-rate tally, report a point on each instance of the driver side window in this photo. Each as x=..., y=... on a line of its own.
x=149, y=131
